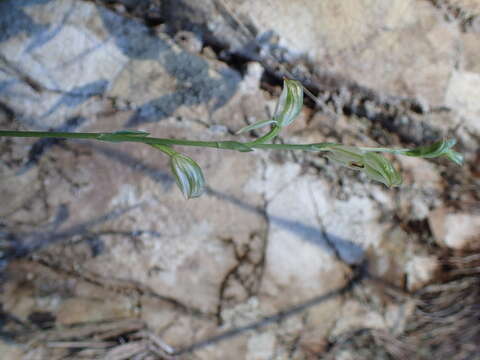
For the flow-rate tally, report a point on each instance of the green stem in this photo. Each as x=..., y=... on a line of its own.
x=227, y=145
x=392, y=151
x=48, y=134
x=112, y=137
x=165, y=144
x=267, y=137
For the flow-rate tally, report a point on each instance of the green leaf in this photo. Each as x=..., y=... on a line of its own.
x=375, y=166
x=437, y=149
x=348, y=156
x=139, y=133
x=290, y=103
x=378, y=168
x=188, y=175
x=256, y=125
x=456, y=157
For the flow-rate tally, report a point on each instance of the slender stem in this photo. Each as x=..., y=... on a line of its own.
x=267, y=137
x=48, y=134
x=392, y=151
x=304, y=147
x=229, y=145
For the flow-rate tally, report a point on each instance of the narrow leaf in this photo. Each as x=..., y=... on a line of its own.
x=290, y=103
x=345, y=155
x=188, y=175
x=456, y=157
x=256, y=125
x=431, y=151
x=139, y=133
x=380, y=169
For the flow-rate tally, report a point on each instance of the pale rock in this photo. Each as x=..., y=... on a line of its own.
x=234, y=347
x=297, y=246
x=387, y=258
x=249, y=103
x=11, y=352
x=141, y=81
x=322, y=317
x=397, y=316
x=87, y=61
x=251, y=80
x=346, y=355
x=319, y=322
x=18, y=300
x=187, y=329
x=471, y=49
x=189, y=41
x=454, y=229
x=261, y=346
x=156, y=313
x=80, y=310
x=72, y=65
x=422, y=184
x=365, y=41
x=234, y=291
x=289, y=328
x=355, y=316
x=308, y=229
x=462, y=96
x=470, y=6
x=420, y=173
x=190, y=252
x=17, y=191
x=313, y=343
x=421, y=270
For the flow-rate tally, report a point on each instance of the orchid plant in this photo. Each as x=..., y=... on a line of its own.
x=189, y=176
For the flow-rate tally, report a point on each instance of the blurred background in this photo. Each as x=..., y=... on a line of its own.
x=286, y=256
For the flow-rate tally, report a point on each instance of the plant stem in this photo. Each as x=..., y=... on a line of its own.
x=392, y=151
x=267, y=137
x=49, y=134
x=227, y=145
x=113, y=137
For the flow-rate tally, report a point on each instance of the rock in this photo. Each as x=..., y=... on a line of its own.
x=35, y=288
x=319, y=323
x=11, y=352
x=455, y=229
x=156, y=313
x=421, y=270
x=355, y=316
x=420, y=173
x=471, y=47
x=112, y=60
x=17, y=191
x=364, y=41
x=189, y=41
x=387, y=259
x=421, y=189
x=470, y=6
x=462, y=95
x=80, y=310
x=397, y=316
x=261, y=347
x=295, y=230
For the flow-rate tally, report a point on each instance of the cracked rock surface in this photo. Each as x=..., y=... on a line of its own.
x=286, y=254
